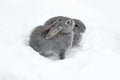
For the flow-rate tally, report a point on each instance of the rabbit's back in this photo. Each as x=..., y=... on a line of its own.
x=56, y=44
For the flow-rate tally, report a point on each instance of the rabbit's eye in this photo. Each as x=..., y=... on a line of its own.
x=68, y=22
x=76, y=25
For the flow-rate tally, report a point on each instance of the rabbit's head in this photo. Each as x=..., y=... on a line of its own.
x=79, y=27
x=63, y=24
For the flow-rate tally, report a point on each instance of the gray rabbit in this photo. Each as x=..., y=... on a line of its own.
x=53, y=39
x=79, y=28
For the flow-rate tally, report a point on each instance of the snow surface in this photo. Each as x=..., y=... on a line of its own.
x=98, y=58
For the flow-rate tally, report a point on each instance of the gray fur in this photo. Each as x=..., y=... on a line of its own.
x=56, y=45
x=78, y=29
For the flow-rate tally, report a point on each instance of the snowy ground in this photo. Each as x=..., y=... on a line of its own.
x=97, y=59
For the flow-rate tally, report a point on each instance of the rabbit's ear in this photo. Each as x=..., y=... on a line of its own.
x=53, y=31
x=44, y=28
x=51, y=21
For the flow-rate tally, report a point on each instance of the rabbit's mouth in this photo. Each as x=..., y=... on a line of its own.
x=65, y=32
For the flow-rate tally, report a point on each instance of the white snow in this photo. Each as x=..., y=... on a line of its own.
x=98, y=58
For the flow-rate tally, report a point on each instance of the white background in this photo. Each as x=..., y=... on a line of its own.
x=98, y=58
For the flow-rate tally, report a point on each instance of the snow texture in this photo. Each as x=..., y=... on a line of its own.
x=98, y=58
